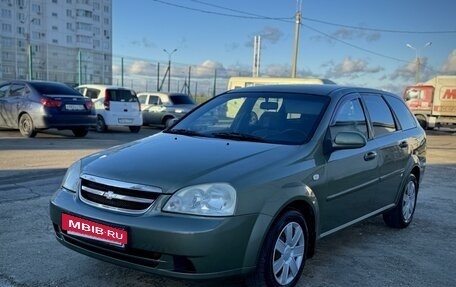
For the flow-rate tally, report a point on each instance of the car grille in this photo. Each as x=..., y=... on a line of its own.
x=117, y=195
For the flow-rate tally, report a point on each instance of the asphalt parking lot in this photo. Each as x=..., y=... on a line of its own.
x=367, y=254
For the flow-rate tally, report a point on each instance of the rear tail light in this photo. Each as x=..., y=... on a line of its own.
x=89, y=105
x=107, y=100
x=50, y=103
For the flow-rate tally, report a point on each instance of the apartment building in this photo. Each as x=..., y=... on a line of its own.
x=68, y=41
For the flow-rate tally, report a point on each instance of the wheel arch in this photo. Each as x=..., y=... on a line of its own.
x=19, y=115
x=303, y=204
x=166, y=117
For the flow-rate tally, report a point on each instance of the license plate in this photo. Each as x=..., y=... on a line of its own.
x=74, y=107
x=125, y=121
x=93, y=230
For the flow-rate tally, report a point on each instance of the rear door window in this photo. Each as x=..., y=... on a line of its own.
x=380, y=114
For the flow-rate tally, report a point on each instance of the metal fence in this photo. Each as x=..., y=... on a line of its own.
x=73, y=66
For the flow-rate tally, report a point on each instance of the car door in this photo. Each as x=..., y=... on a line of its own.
x=4, y=95
x=392, y=146
x=155, y=109
x=13, y=102
x=351, y=174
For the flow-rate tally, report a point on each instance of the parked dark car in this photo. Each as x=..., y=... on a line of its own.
x=162, y=108
x=31, y=106
x=246, y=183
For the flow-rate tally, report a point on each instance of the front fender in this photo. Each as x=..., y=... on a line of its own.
x=298, y=196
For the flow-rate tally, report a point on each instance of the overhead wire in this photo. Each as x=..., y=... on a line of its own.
x=248, y=15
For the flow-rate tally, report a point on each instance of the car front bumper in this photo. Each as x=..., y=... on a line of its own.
x=180, y=246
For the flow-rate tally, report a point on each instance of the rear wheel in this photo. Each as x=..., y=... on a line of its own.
x=402, y=214
x=283, y=254
x=422, y=121
x=80, y=132
x=101, y=125
x=26, y=126
x=134, y=129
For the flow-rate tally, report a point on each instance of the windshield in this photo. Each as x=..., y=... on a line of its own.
x=283, y=118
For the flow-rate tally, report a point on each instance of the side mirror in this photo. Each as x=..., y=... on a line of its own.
x=349, y=140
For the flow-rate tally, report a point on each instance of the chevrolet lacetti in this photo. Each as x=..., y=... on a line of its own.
x=246, y=184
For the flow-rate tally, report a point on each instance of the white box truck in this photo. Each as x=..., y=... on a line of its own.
x=433, y=102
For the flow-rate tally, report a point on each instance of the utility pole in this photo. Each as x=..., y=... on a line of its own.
x=296, y=40
x=169, y=66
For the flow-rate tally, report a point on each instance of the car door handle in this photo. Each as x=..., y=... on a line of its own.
x=370, y=155
x=403, y=144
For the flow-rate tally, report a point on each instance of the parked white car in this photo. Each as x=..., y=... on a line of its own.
x=115, y=106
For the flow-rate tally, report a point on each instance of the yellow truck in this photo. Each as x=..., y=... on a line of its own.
x=433, y=102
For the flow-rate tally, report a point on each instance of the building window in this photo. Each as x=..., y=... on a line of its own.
x=69, y=26
x=54, y=14
x=69, y=13
x=54, y=1
x=6, y=28
x=36, y=8
x=55, y=41
x=6, y=14
x=68, y=1
x=55, y=28
x=69, y=39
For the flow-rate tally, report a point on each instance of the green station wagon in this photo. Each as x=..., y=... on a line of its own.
x=246, y=184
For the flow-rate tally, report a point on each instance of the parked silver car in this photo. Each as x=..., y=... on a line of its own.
x=160, y=108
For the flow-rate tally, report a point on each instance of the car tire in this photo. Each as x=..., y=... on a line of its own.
x=422, y=121
x=26, y=126
x=101, y=125
x=135, y=129
x=282, y=257
x=80, y=132
x=168, y=122
x=402, y=214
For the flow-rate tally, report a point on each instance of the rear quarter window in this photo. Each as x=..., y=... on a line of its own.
x=402, y=112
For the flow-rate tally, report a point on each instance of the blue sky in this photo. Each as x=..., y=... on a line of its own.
x=355, y=42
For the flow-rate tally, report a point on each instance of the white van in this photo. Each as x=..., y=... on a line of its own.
x=241, y=82
x=115, y=106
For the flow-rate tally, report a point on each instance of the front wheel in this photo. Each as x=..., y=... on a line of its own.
x=402, y=214
x=284, y=252
x=26, y=126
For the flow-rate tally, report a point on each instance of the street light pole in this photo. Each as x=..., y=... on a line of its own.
x=417, y=59
x=296, y=44
x=169, y=66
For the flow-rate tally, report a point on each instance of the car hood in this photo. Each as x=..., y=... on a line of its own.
x=173, y=161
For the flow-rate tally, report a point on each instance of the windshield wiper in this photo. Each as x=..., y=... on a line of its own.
x=238, y=136
x=184, y=132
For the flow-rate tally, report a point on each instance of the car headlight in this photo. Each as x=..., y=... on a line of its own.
x=71, y=180
x=179, y=111
x=215, y=199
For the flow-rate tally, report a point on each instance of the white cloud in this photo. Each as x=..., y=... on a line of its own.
x=141, y=67
x=350, y=68
x=268, y=34
x=450, y=65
